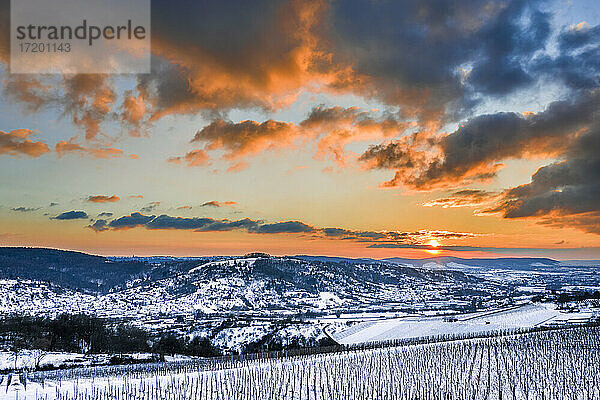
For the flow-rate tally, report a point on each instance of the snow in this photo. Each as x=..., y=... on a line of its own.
x=27, y=359
x=532, y=289
x=240, y=262
x=413, y=327
x=479, y=368
x=580, y=287
x=328, y=299
x=236, y=338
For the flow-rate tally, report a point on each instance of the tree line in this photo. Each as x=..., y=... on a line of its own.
x=81, y=333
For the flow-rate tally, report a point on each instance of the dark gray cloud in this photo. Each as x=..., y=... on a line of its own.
x=25, y=209
x=226, y=225
x=395, y=155
x=349, y=234
x=131, y=221
x=392, y=237
x=578, y=71
x=100, y=225
x=562, y=194
x=578, y=62
x=195, y=224
x=68, y=215
x=105, y=214
x=415, y=50
x=167, y=222
x=206, y=224
x=508, y=43
x=284, y=227
x=476, y=149
x=251, y=226
x=428, y=247
x=150, y=207
x=576, y=37
x=335, y=232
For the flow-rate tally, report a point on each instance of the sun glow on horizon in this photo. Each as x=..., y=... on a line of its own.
x=434, y=244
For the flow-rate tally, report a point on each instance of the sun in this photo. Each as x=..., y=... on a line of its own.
x=434, y=244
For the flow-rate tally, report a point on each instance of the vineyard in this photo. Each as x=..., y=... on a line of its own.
x=549, y=364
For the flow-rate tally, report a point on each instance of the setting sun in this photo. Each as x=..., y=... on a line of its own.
x=434, y=244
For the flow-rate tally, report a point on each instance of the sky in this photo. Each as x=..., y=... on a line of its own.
x=350, y=128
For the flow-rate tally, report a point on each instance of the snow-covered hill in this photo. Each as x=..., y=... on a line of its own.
x=258, y=284
x=286, y=285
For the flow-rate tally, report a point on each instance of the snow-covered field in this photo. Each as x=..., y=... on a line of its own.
x=29, y=358
x=527, y=366
x=34, y=359
x=525, y=316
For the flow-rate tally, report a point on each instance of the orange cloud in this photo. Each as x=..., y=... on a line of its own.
x=133, y=113
x=88, y=98
x=463, y=198
x=264, y=62
x=332, y=127
x=103, y=199
x=246, y=137
x=133, y=109
x=337, y=126
x=27, y=90
x=192, y=159
x=66, y=147
x=15, y=143
x=237, y=167
x=215, y=203
x=279, y=50
x=272, y=52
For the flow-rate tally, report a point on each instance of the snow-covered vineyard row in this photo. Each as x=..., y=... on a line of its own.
x=556, y=364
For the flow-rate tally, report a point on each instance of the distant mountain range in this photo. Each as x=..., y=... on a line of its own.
x=506, y=262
